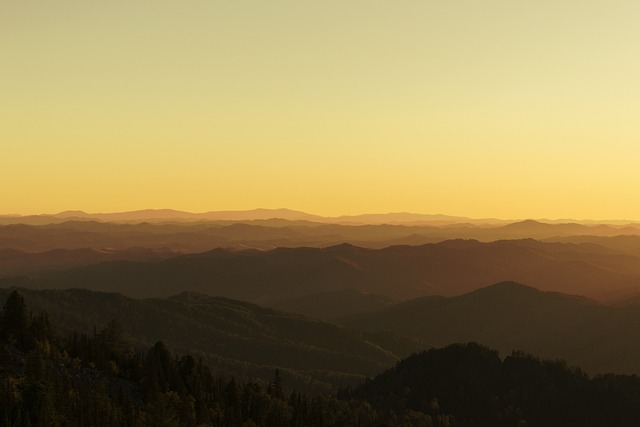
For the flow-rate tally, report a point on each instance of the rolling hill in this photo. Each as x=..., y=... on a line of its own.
x=509, y=316
x=232, y=336
x=471, y=385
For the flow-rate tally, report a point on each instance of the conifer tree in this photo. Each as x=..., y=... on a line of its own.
x=14, y=321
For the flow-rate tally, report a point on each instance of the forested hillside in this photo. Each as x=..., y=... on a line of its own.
x=242, y=339
x=468, y=385
x=99, y=379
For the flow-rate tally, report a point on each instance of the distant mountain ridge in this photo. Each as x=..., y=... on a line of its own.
x=198, y=236
x=244, y=215
x=170, y=214
x=451, y=267
x=282, y=213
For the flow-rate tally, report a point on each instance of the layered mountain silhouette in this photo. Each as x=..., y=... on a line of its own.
x=224, y=286
x=199, y=235
x=509, y=316
x=154, y=215
x=625, y=244
x=398, y=272
x=251, y=341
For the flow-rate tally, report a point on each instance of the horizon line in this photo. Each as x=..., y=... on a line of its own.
x=444, y=217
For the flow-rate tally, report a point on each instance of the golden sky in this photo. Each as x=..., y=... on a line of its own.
x=510, y=109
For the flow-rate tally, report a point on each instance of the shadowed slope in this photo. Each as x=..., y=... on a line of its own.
x=447, y=268
x=241, y=338
x=510, y=316
x=469, y=385
x=334, y=304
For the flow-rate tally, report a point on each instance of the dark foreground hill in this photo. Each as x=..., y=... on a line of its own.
x=469, y=385
x=240, y=338
x=510, y=316
x=399, y=272
x=99, y=379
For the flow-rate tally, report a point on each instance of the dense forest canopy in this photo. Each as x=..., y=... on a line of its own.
x=99, y=379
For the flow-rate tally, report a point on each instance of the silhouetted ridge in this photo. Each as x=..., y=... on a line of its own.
x=506, y=289
x=399, y=272
x=527, y=223
x=469, y=385
x=457, y=244
x=344, y=247
x=190, y=297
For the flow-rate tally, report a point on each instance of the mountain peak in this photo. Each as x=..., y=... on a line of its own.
x=508, y=286
x=527, y=223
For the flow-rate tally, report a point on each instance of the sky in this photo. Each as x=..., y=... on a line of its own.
x=508, y=109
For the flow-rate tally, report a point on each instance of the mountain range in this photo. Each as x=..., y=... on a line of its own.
x=447, y=268
x=155, y=215
x=250, y=341
x=331, y=301
x=200, y=236
x=172, y=215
